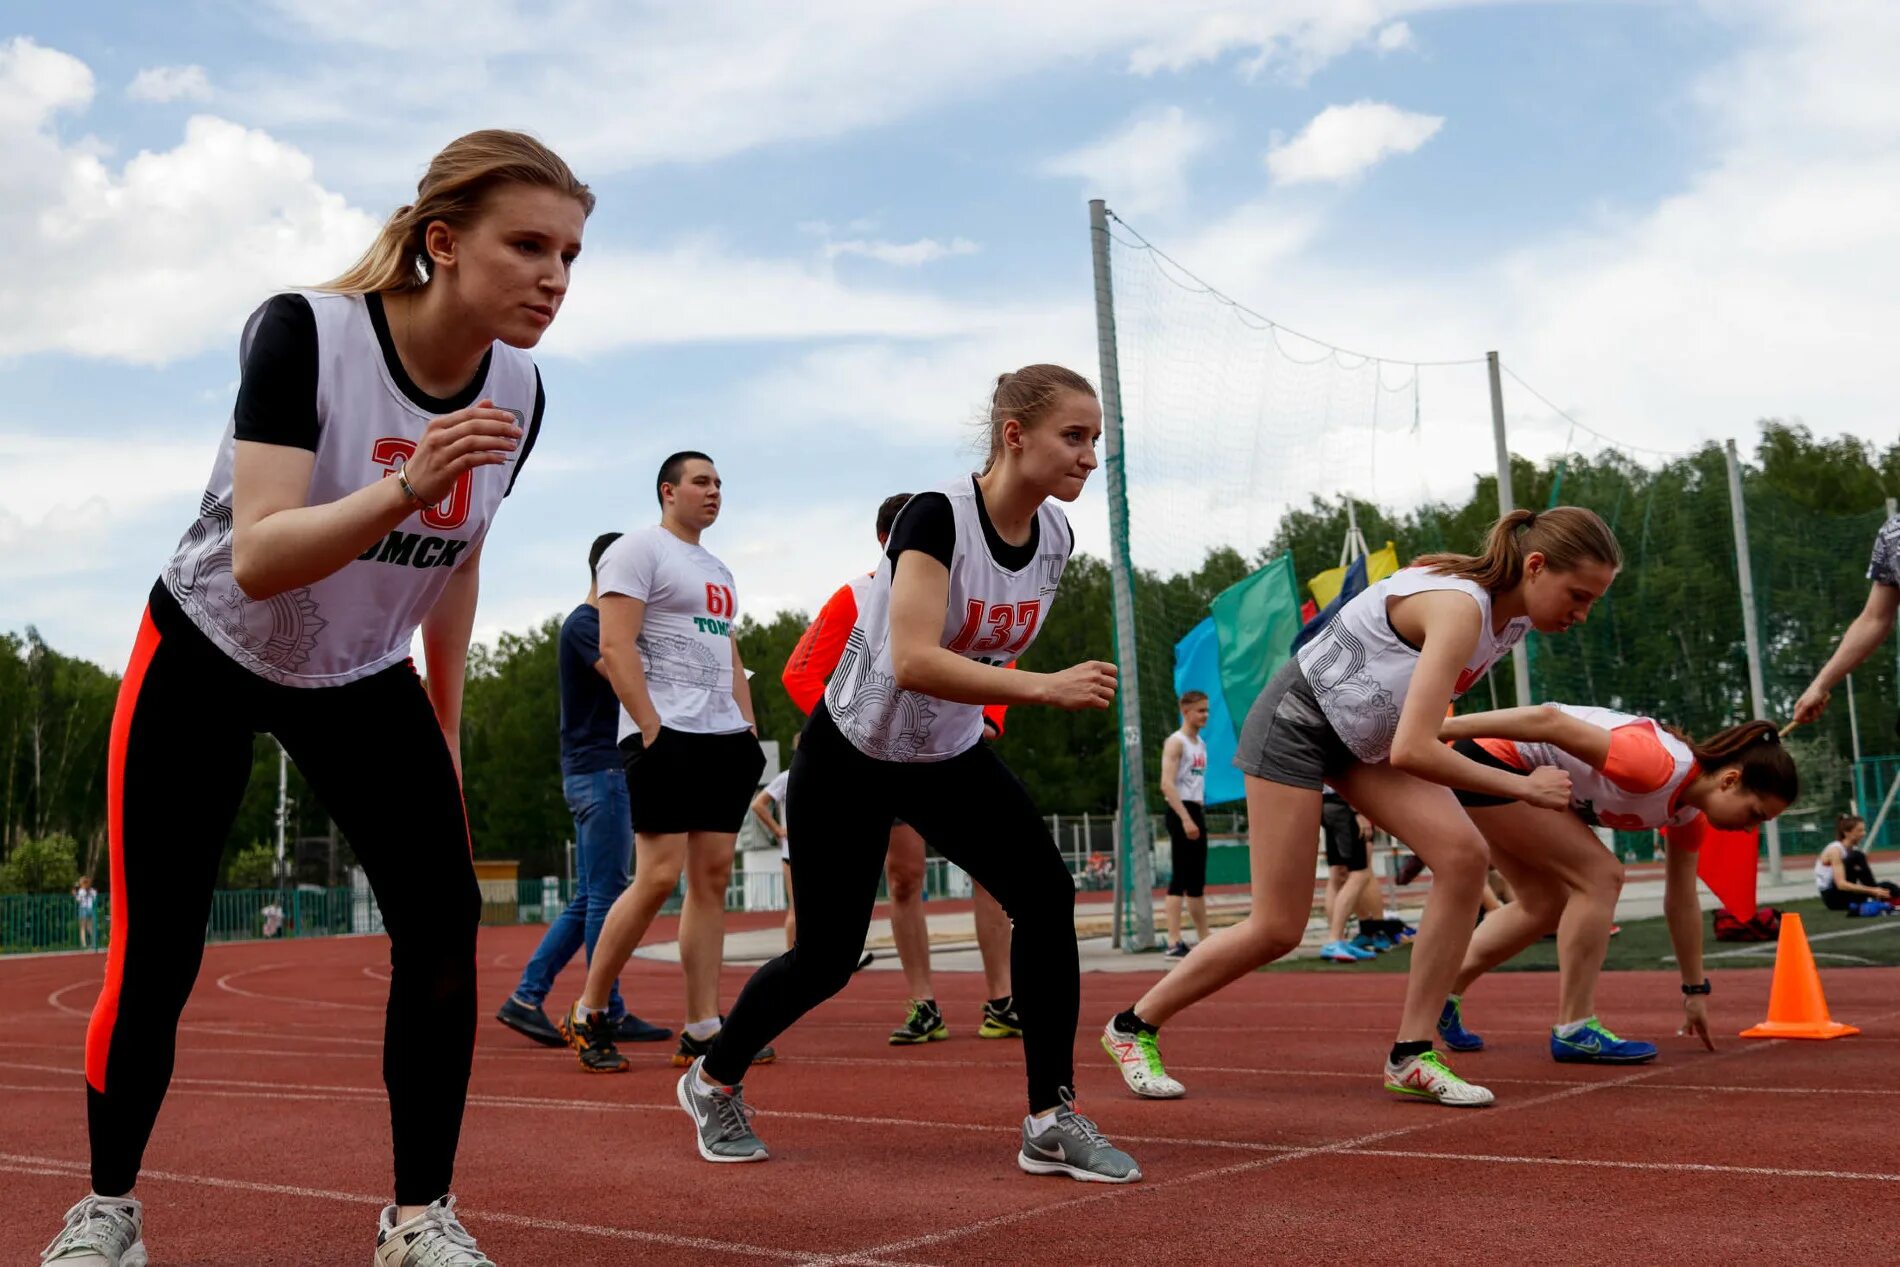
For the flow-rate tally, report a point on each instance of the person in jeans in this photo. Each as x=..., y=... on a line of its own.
x=595, y=786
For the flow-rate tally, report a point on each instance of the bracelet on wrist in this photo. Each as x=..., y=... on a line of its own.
x=1690, y=991
x=408, y=489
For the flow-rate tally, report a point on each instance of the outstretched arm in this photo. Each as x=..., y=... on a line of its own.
x=1538, y=724
x=1683, y=913
x=1864, y=635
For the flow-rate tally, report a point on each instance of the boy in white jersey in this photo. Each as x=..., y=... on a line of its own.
x=1628, y=773
x=962, y=590
x=1358, y=707
x=1184, y=788
x=667, y=610
x=769, y=808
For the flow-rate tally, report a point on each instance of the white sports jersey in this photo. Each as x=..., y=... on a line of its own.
x=359, y=619
x=1360, y=669
x=686, y=636
x=992, y=617
x=1190, y=770
x=1824, y=865
x=1637, y=788
x=776, y=790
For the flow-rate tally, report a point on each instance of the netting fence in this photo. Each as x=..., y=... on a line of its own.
x=1243, y=440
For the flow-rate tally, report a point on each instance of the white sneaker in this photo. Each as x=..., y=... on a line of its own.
x=1428, y=1077
x=100, y=1232
x=1138, y=1056
x=434, y=1238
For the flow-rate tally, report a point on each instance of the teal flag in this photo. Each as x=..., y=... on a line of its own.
x=1255, y=621
x=1197, y=668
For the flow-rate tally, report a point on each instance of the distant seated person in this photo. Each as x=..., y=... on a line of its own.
x=1842, y=873
x=273, y=919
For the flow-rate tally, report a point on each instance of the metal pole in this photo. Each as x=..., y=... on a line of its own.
x=1137, y=831
x=1892, y=509
x=1507, y=502
x=1853, y=730
x=1751, y=640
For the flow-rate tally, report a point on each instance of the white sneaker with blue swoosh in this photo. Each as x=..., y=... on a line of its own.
x=1071, y=1145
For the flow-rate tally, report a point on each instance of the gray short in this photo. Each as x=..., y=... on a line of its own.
x=1287, y=739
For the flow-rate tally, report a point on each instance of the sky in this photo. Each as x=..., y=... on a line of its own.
x=824, y=229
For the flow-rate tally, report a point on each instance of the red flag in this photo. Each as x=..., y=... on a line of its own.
x=1307, y=611
x=1725, y=861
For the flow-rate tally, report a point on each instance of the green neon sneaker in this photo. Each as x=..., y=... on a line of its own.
x=922, y=1024
x=1428, y=1077
x=1138, y=1056
x=1000, y=1022
x=1594, y=1044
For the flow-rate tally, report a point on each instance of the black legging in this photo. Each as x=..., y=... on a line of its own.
x=974, y=812
x=373, y=753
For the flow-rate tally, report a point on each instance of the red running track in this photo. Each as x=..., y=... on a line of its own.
x=273, y=1148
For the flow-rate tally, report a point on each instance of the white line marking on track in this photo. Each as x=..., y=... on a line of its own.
x=1606, y=1163
x=61, y=1167
x=224, y=983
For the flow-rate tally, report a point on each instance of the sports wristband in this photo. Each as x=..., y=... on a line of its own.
x=1704, y=988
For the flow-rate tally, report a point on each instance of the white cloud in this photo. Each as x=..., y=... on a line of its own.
x=161, y=256
x=1141, y=168
x=1342, y=142
x=1391, y=39
x=637, y=85
x=170, y=83
x=902, y=254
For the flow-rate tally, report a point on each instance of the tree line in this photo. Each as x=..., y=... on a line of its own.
x=1667, y=640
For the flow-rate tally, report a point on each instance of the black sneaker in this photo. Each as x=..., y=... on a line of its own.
x=1000, y=1022
x=1177, y=951
x=631, y=1029
x=593, y=1039
x=691, y=1049
x=530, y=1022
x=923, y=1024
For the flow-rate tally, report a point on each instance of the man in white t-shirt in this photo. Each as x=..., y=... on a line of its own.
x=667, y=611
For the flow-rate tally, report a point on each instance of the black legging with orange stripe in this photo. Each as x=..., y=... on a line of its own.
x=374, y=755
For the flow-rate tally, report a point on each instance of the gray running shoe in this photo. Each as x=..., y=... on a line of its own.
x=434, y=1238
x=723, y=1117
x=1073, y=1147
x=100, y=1232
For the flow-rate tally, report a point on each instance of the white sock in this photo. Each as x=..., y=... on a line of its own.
x=1454, y=999
x=700, y=1031
x=1572, y=1029
x=1040, y=1122
x=584, y=1013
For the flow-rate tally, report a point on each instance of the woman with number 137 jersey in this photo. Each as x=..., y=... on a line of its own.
x=966, y=582
x=380, y=420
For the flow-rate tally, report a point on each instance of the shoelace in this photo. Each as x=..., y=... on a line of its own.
x=1151, y=1054
x=88, y=1226
x=440, y=1219
x=1438, y=1066
x=1067, y=1117
x=734, y=1114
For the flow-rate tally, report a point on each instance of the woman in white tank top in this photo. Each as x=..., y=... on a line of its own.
x=1359, y=708
x=1627, y=773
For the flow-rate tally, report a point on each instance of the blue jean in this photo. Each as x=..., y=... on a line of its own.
x=603, y=854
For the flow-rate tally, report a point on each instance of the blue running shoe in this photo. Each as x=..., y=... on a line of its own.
x=1452, y=1031
x=1344, y=952
x=1595, y=1045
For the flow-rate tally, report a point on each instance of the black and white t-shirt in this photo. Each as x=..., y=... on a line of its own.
x=1884, y=566
x=999, y=596
x=686, y=635
x=320, y=372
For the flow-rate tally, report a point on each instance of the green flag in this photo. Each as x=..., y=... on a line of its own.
x=1255, y=621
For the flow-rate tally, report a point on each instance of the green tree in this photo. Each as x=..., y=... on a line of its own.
x=253, y=867
x=45, y=864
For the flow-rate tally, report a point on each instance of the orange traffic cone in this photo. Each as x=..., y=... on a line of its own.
x=1796, y=1006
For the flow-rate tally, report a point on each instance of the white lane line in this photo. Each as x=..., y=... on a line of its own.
x=26, y=1164
x=224, y=983
x=1607, y=1163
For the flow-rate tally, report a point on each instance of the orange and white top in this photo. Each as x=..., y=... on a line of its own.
x=1640, y=783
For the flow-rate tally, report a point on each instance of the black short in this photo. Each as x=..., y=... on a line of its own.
x=1189, y=878
x=1345, y=845
x=686, y=781
x=1477, y=752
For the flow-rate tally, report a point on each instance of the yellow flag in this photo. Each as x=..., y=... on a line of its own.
x=1379, y=565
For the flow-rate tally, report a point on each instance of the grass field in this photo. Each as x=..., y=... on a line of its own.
x=1838, y=942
